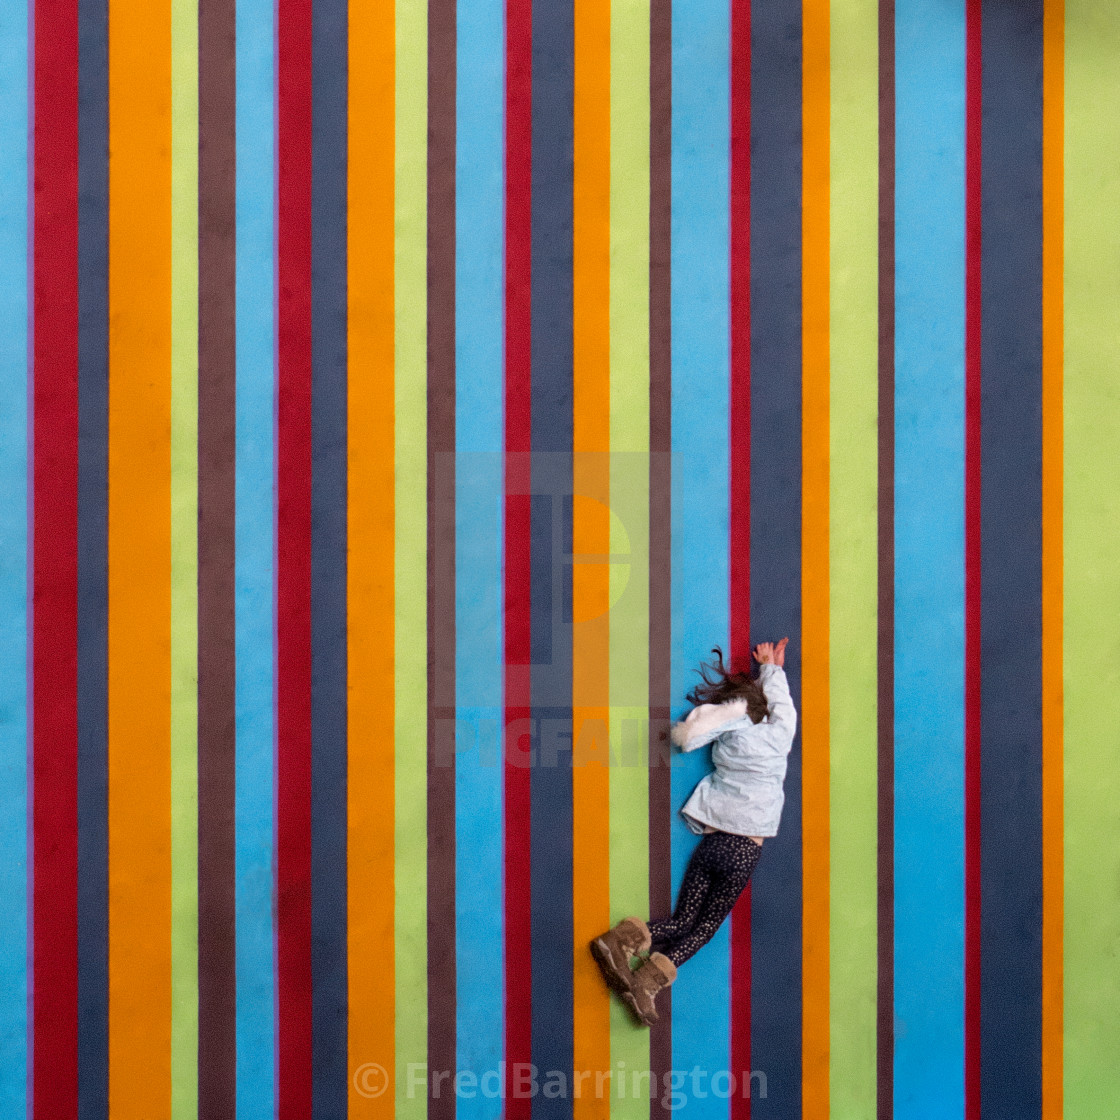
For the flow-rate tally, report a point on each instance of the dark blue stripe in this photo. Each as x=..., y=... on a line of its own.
x=1011, y=569
x=776, y=523
x=93, y=617
x=328, y=560
x=550, y=545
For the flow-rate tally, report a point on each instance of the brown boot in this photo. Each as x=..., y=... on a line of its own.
x=656, y=973
x=613, y=950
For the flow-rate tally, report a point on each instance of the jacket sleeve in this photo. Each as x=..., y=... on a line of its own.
x=774, y=684
x=704, y=723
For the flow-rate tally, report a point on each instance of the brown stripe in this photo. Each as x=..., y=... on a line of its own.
x=217, y=169
x=660, y=510
x=441, y=557
x=885, y=999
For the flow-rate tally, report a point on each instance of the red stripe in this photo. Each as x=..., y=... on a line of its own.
x=740, y=535
x=741, y=1005
x=55, y=580
x=740, y=529
x=293, y=607
x=518, y=962
x=972, y=567
x=660, y=511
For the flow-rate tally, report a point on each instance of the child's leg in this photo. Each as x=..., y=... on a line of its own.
x=690, y=900
x=732, y=860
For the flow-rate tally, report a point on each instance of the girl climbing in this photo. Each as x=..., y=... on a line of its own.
x=751, y=725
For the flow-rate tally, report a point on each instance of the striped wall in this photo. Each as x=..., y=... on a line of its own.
x=401, y=399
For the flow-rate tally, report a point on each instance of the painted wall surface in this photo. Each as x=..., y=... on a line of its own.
x=400, y=398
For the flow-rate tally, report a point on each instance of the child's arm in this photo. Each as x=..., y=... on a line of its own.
x=704, y=723
x=772, y=677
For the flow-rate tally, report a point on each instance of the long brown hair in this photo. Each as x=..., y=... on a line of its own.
x=721, y=685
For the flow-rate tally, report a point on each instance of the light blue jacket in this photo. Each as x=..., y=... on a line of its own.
x=744, y=793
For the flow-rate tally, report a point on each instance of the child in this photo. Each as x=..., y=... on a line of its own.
x=751, y=725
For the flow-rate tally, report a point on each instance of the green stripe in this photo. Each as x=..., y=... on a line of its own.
x=853, y=508
x=629, y=467
x=1092, y=572
x=410, y=618
x=184, y=559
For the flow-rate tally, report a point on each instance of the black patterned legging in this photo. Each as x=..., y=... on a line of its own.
x=719, y=869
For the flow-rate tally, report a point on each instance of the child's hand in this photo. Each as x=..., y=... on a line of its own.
x=771, y=653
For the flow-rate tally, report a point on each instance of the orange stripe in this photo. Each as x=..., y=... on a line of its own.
x=139, y=632
x=814, y=558
x=1053, y=139
x=370, y=584
x=591, y=537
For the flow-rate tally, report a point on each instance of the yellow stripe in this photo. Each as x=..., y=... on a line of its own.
x=410, y=589
x=139, y=674
x=184, y=562
x=815, y=558
x=370, y=568
x=591, y=537
x=1053, y=139
x=629, y=539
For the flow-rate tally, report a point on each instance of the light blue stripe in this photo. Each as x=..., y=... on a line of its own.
x=479, y=203
x=929, y=559
x=700, y=521
x=255, y=575
x=13, y=557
